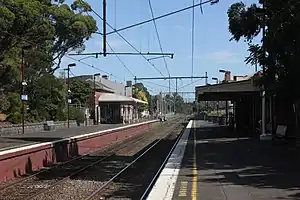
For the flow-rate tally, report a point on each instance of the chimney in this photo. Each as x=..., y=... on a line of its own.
x=227, y=76
x=105, y=77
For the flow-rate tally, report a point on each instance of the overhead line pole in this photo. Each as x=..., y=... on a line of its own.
x=172, y=77
x=128, y=43
x=104, y=28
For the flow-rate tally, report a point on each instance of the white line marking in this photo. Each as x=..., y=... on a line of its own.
x=165, y=185
x=69, y=138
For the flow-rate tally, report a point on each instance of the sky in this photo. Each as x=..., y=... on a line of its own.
x=212, y=49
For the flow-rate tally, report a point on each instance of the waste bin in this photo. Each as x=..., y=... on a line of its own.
x=49, y=126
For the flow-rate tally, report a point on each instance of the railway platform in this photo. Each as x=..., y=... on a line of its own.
x=19, y=140
x=209, y=163
x=23, y=154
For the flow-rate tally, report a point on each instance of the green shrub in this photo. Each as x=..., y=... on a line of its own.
x=15, y=118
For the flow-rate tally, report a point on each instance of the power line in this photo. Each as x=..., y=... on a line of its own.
x=159, y=42
x=189, y=84
x=92, y=66
x=133, y=47
x=162, y=16
x=115, y=52
x=72, y=73
x=149, y=82
x=158, y=38
x=32, y=43
x=120, y=60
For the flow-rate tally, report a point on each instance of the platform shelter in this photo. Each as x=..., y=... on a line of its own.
x=246, y=99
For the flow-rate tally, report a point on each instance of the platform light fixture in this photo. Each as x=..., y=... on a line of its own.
x=69, y=91
x=94, y=77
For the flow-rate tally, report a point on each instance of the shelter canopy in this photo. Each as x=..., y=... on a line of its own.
x=226, y=91
x=114, y=98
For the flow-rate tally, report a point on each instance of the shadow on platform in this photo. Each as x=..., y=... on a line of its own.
x=255, y=164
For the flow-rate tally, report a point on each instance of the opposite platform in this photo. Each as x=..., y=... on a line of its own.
x=26, y=159
x=17, y=140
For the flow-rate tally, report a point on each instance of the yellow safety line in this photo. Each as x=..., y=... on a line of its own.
x=194, y=186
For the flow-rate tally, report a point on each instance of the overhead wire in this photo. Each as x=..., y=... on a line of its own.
x=162, y=16
x=190, y=83
x=159, y=41
x=156, y=84
x=92, y=66
x=158, y=38
x=133, y=47
x=72, y=73
x=118, y=57
x=32, y=43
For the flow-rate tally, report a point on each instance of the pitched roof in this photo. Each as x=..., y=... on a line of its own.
x=3, y=117
x=110, y=97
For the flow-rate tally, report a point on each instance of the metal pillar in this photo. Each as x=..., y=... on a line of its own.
x=104, y=28
x=22, y=92
x=68, y=97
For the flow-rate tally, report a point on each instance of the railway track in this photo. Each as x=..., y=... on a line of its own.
x=136, y=179
x=46, y=181
x=99, y=181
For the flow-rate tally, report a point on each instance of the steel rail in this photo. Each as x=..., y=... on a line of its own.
x=162, y=166
x=123, y=146
x=46, y=169
x=128, y=165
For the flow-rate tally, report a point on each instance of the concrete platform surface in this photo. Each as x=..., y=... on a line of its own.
x=15, y=141
x=218, y=166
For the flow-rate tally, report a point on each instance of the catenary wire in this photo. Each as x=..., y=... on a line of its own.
x=159, y=41
x=133, y=47
x=163, y=16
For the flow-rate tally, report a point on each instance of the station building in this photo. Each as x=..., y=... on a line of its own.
x=112, y=102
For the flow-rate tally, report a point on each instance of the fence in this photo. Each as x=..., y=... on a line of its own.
x=36, y=127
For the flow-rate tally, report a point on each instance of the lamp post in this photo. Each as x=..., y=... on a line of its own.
x=23, y=96
x=217, y=81
x=95, y=120
x=226, y=102
x=69, y=91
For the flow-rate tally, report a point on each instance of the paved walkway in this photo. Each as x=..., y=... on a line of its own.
x=218, y=167
x=14, y=141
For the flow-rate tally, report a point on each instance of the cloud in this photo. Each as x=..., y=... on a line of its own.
x=223, y=57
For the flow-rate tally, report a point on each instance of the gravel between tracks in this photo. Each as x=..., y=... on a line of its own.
x=74, y=187
x=133, y=182
x=87, y=182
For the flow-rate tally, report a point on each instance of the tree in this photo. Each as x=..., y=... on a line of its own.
x=140, y=92
x=56, y=27
x=45, y=98
x=52, y=29
x=4, y=103
x=80, y=91
x=279, y=52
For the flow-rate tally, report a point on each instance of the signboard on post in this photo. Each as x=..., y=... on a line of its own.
x=24, y=97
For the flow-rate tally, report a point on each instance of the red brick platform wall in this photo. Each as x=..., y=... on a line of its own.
x=22, y=162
